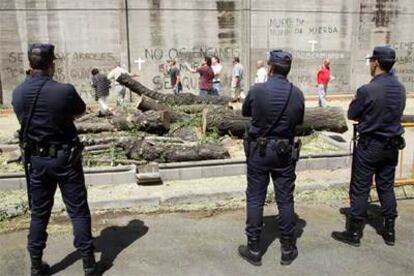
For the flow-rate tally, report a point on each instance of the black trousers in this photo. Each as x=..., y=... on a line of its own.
x=45, y=174
x=259, y=170
x=373, y=158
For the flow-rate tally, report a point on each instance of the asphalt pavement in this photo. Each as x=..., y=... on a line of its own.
x=205, y=243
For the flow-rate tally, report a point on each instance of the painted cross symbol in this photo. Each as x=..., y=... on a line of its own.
x=313, y=42
x=140, y=61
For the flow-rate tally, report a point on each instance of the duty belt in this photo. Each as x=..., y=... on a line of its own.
x=271, y=138
x=50, y=150
x=395, y=141
x=46, y=150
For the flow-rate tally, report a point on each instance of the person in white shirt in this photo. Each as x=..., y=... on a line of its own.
x=119, y=89
x=237, y=77
x=261, y=74
x=217, y=67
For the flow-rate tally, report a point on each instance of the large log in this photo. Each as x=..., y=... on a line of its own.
x=146, y=103
x=170, y=99
x=141, y=149
x=151, y=121
x=231, y=122
x=94, y=127
x=194, y=108
x=157, y=122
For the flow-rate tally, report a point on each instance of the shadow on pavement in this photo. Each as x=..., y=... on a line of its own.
x=374, y=219
x=271, y=230
x=112, y=241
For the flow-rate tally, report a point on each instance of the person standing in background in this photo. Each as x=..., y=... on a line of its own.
x=237, y=78
x=101, y=84
x=119, y=89
x=206, y=77
x=261, y=74
x=217, y=67
x=322, y=78
x=175, y=78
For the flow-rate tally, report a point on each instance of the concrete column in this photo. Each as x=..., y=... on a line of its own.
x=354, y=45
x=246, y=41
x=1, y=91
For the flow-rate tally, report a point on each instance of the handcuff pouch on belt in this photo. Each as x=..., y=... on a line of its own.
x=75, y=153
x=296, y=150
x=397, y=142
x=261, y=144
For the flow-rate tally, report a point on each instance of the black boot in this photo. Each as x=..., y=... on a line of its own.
x=288, y=249
x=89, y=265
x=39, y=268
x=352, y=235
x=251, y=252
x=389, y=232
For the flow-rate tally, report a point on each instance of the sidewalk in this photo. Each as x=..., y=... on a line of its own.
x=178, y=195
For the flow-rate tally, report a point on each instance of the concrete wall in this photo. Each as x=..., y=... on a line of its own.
x=95, y=33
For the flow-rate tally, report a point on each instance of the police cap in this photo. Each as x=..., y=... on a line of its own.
x=383, y=53
x=279, y=56
x=41, y=55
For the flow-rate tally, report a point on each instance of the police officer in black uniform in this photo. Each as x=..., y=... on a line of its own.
x=276, y=108
x=378, y=108
x=46, y=110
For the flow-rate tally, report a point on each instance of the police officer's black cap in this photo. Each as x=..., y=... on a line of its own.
x=41, y=55
x=279, y=56
x=382, y=53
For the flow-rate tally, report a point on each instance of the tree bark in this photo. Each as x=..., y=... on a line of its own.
x=195, y=108
x=146, y=103
x=170, y=99
x=151, y=121
x=157, y=122
x=231, y=122
x=141, y=149
x=94, y=127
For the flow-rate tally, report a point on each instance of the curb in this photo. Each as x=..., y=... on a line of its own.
x=196, y=198
x=93, y=176
x=218, y=168
x=180, y=171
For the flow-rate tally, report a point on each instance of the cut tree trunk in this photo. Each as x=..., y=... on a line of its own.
x=146, y=103
x=157, y=122
x=195, y=108
x=94, y=127
x=141, y=149
x=151, y=121
x=170, y=99
x=231, y=122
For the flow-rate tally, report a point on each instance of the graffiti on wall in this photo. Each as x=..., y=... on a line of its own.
x=404, y=65
x=155, y=59
x=287, y=26
x=73, y=67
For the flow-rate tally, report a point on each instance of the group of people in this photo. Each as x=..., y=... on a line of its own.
x=102, y=84
x=277, y=107
x=211, y=75
x=46, y=110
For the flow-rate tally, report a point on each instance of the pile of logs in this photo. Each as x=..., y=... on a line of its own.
x=159, y=129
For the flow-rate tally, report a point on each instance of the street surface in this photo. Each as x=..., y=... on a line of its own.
x=204, y=243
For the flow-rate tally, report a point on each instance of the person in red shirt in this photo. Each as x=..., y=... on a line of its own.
x=206, y=77
x=322, y=78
